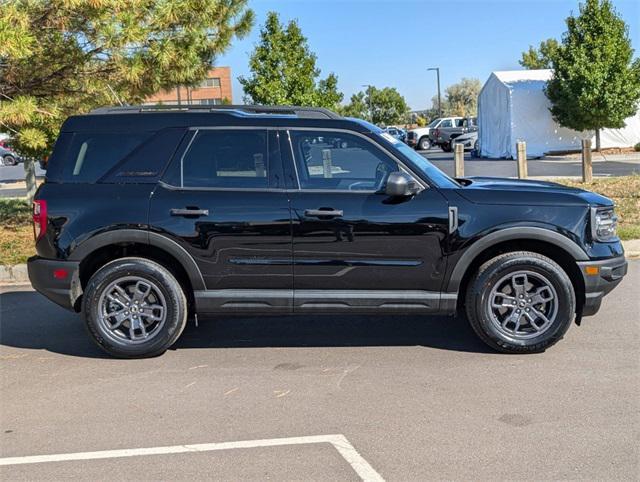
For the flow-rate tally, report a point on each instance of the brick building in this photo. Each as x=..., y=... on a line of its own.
x=213, y=91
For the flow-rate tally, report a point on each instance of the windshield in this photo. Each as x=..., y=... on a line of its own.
x=434, y=123
x=439, y=178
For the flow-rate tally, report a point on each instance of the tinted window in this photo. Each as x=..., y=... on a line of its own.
x=331, y=160
x=446, y=123
x=227, y=159
x=92, y=154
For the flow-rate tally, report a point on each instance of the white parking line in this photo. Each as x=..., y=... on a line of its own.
x=339, y=441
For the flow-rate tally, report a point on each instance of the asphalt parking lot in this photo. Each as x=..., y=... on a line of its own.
x=393, y=398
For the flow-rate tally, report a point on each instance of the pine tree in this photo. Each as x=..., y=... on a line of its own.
x=63, y=57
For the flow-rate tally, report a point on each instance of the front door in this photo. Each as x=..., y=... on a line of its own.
x=222, y=199
x=354, y=247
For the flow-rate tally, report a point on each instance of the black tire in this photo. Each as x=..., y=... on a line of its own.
x=9, y=160
x=482, y=316
x=424, y=143
x=170, y=295
x=446, y=147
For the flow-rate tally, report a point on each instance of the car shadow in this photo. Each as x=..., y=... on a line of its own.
x=29, y=321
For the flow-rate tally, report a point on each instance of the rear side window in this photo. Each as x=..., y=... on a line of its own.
x=225, y=159
x=92, y=154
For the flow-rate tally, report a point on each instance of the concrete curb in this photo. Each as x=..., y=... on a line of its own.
x=18, y=274
x=14, y=274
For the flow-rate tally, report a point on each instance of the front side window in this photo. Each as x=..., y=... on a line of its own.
x=446, y=123
x=226, y=159
x=340, y=161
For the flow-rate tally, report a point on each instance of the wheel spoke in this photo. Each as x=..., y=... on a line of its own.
x=506, y=301
x=150, y=312
x=122, y=292
x=532, y=321
x=519, y=284
x=115, y=299
x=141, y=291
x=539, y=297
x=540, y=315
x=120, y=317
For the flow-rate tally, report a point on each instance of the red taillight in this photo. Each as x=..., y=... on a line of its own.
x=39, y=218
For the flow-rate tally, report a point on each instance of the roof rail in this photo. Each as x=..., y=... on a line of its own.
x=301, y=112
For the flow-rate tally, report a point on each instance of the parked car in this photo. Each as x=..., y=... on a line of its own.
x=451, y=128
x=468, y=140
x=418, y=138
x=396, y=132
x=151, y=216
x=7, y=156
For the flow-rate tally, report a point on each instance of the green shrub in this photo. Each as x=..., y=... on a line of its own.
x=15, y=212
x=637, y=147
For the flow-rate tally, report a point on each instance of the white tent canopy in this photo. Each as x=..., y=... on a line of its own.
x=512, y=106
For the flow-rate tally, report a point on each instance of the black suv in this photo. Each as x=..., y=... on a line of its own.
x=152, y=215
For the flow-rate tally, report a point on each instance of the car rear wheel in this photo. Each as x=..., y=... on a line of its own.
x=134, y=308
x=424, y=144
x=520, y=302
x=9, y=160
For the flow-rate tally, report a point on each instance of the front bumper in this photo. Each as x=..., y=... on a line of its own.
x=600, y=277
x=57, y=280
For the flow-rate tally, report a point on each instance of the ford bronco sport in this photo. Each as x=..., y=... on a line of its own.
x=152, y=215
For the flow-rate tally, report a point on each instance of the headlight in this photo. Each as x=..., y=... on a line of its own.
x=603, y=224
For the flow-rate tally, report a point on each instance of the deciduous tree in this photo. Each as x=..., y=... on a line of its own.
x=284, y=72
x=381, y=106
x=462, y=98
x=540, y=57
x=596, y=81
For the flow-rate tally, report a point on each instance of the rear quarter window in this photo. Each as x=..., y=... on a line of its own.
x=91, y=155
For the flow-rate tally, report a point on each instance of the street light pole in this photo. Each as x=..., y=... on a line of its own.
x=437, y=69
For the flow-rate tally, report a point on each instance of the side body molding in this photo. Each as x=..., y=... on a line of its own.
x=143, y=237
x=511, y=234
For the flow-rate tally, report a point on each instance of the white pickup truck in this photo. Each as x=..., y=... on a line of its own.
x=419, y=138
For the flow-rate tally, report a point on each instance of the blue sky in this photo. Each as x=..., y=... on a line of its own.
x=391, y=43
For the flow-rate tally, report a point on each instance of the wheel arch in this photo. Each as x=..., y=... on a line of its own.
x=105, y=247
x=549, y=243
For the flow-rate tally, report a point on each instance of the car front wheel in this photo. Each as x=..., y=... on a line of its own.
x=424, y=144
x=9, y=160
x=520, y=302
x=134, y=308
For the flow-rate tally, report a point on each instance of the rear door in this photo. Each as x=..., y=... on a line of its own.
x=354, y=247
x=223, y=200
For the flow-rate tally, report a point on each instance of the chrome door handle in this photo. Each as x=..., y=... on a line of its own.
x=189, y=212
x=316, y=213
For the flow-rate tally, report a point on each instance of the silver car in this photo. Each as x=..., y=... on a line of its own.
x=8, y=157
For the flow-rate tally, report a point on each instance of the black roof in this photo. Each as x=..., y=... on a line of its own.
x=300, y=112
x=156, y=117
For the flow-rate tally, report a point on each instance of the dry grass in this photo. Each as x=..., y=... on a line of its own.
x=16, y=244
x=16, y=232
x=625, y=192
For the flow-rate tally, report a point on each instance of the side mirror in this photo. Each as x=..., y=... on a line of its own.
x=400, y=184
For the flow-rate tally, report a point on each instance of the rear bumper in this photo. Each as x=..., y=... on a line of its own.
x=609, y=274
x=57, y=280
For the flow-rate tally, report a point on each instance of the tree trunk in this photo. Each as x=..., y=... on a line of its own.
x=30, y=178
x=597, y=139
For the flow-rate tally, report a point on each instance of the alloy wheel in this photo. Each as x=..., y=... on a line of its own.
x=132, y=309
x=523, y=304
